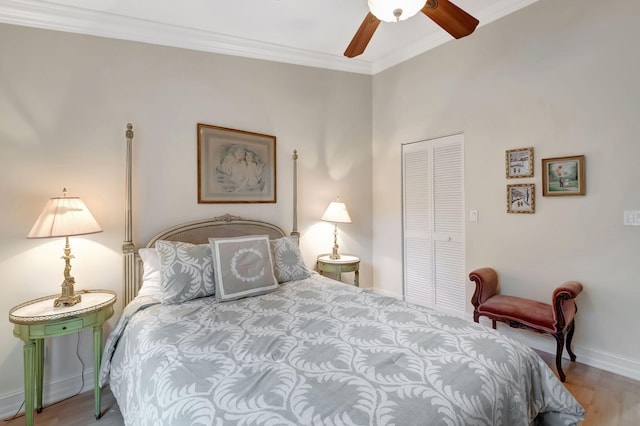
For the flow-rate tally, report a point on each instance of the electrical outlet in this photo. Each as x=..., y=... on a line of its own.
x=473, y=215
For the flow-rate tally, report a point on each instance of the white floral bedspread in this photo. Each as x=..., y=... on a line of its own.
x=318, y=352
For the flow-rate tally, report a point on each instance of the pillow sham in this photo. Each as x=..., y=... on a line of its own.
x=150, y=272
x=287, y=261
x=186, y=271
x=242, y=267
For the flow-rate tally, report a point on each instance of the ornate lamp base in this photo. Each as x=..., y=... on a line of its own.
x=67, y=301
x=334, y=252
x=67, y=298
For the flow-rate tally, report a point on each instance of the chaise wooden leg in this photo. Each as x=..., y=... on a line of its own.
x=476, y=318
x=570, y=331
x=559, y=348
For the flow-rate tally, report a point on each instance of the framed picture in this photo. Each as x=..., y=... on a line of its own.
x=519, y=163
x=563, y=176
x=235, y=166
x=521, y=198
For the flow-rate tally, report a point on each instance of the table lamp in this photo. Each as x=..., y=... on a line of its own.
x=336, y=213
x=65, y=217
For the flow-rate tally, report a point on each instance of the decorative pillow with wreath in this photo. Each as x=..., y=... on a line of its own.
x=242, y=267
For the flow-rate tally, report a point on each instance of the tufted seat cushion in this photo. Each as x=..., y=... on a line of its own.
x=528, y=312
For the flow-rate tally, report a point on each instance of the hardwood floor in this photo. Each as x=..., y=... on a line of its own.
x=609, y=399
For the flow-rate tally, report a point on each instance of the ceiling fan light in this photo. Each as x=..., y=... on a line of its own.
x=395, y=10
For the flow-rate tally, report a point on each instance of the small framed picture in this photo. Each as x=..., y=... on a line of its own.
x=563, y=176
x=521, y=198
x=235, y=166
x=519, y=163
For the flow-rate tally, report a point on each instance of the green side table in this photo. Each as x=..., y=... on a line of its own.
x=38, y=319
x=346, y=263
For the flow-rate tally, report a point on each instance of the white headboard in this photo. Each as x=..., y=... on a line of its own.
x=197, y=232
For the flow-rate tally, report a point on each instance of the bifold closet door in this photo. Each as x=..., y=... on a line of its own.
x=433, y=223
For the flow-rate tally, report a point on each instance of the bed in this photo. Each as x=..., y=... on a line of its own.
x=253, y=337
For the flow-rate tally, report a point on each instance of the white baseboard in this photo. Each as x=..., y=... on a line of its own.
x=386, y=293
x=52, y=393
x=598, y=359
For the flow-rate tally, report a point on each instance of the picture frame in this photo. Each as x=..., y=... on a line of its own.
x=521, y=198
x=235, y=166
x=519, y=163
x=563, y=176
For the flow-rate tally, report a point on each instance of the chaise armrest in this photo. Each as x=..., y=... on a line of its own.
x=568, y=290
x=564, y=308
x=486, y=280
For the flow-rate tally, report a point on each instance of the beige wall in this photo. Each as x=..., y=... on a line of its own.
x=64, y=103
x=561, y=77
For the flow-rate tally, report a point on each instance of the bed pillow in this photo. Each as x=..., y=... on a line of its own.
x=242, y=267
x=150, y=272
x=186, y=271
x=287, y=261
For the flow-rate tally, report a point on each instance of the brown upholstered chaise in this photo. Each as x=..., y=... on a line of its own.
x=556, y=319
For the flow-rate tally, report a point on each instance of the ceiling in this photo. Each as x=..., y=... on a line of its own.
x=304, y=32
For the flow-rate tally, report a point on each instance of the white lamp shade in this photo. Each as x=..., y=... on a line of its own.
x=63, y=217
x=384, y=9
x=336, y=213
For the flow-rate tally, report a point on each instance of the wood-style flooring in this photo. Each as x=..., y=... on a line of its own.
x=609, y=399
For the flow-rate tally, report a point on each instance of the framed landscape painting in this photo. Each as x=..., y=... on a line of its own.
x=521, y=198
x=235, y=166
x=563, y=176
x=519, y=163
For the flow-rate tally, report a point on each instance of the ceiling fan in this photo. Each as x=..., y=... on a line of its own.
x=447, y=15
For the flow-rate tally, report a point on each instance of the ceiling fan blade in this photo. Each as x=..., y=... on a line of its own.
x=362, y=37
x=450, y=17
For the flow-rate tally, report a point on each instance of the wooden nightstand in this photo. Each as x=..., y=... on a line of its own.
x=38, y=319
x=346, y=263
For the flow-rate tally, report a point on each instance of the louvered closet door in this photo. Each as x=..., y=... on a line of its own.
x=433, y=223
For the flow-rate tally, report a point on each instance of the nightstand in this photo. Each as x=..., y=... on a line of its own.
x=38, y=319
x=346, y=263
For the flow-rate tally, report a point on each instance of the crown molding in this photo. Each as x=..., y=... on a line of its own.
x=51, y=16
x=41, y=14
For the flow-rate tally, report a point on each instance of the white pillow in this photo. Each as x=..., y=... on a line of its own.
x=242, y=267
x=150, y=272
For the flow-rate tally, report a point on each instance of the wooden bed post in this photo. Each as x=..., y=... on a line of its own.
x=128, y=248
x=294, y=230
